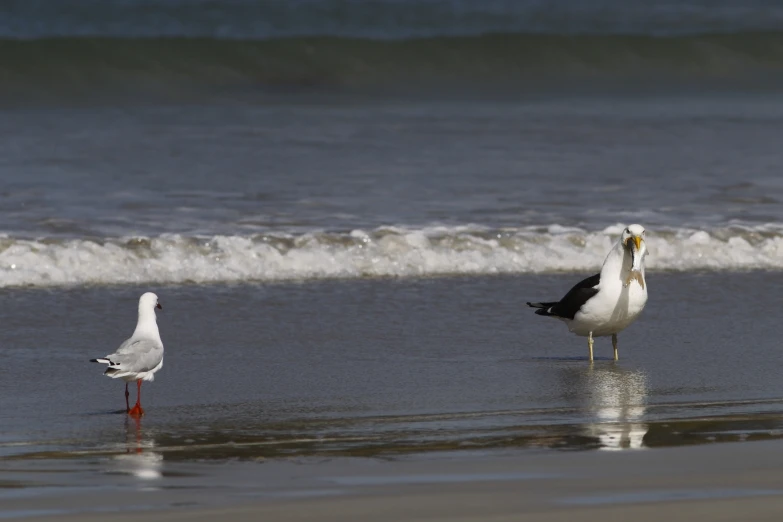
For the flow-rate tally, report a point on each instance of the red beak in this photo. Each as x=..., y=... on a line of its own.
x=159, y=307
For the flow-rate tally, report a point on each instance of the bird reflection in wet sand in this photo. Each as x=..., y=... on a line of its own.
x=615, y=398
x=138, y=459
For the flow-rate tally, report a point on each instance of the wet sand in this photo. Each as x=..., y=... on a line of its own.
x=713, y=482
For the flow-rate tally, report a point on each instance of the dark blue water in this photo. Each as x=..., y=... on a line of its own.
x=380, y=18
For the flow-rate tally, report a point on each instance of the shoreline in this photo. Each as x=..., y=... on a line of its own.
x=719, y=481
x=629, y=428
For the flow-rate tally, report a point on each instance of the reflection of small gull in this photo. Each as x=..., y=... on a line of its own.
x=142, y=464
x=138, y=460
x=616, y=399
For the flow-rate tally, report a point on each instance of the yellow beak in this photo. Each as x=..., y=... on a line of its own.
x=635, y=239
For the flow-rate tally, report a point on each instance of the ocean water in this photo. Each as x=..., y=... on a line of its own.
x=192, y=141
x=344, y=205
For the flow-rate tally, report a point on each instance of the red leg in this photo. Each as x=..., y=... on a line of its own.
x=127, y=404
x=137, y=411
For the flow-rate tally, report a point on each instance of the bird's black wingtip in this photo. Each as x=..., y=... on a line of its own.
x=93, y=360
x=542, y=308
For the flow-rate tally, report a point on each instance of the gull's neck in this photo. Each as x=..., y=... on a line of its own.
x=147, y=325
x=618, y=264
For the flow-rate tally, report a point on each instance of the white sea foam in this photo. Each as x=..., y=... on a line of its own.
x=387, y=251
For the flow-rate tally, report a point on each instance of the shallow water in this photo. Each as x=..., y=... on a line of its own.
x=436, y=370
x=382, y=367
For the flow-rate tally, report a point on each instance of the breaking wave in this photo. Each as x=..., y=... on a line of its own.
x=513, y=62
x=382, y=252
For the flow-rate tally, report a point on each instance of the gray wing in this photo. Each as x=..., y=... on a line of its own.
x=137, y=355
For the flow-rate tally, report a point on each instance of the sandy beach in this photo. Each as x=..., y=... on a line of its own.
x=719, y=482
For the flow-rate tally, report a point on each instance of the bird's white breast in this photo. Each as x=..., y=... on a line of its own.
x=611, y=310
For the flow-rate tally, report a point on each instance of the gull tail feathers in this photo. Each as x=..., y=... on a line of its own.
x=114, y=371
x=542, y=308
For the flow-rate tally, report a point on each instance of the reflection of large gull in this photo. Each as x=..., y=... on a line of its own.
x=138, y=459
x=616, y=401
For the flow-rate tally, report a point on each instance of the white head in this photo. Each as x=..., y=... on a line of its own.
x=148, y=302
x=147, y=325
x=633, y=243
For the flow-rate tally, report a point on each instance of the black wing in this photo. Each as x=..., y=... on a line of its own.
x=569, y=305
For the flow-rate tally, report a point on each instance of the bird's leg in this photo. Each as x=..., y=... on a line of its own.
x=614, y=345
x=127, y=394
x=590, y=345
x=136, y=411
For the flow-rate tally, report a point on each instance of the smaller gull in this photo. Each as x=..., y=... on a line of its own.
x=138, y=358
x=606, y=303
